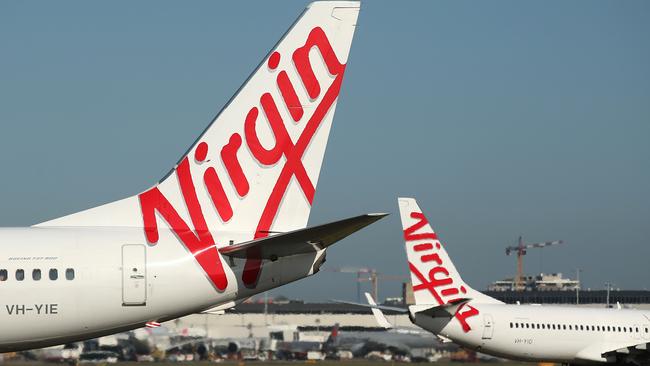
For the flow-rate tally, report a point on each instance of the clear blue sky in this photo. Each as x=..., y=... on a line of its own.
x=502, y=118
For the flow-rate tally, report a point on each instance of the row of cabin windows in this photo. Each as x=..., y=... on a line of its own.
x=53, y=274
x=595, y=328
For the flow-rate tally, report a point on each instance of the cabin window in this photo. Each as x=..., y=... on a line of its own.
x=537, y=325
x=3, y=275
x=543, y=326
x=637, y=330
x=608, y=329
x=582, y=328
x=598, y=328
x=36, y=275
x=20, y=274
x=570, y=327
x=553, y=326
x=69, y=274
x=527, y=325
x=646, y=330
x=564, y=327
x=510, y=324
x=619, y=329
x=54, y=274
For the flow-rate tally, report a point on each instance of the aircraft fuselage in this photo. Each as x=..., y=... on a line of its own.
x=64, y=284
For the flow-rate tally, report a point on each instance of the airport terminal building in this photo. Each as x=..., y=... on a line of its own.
x=254, y=318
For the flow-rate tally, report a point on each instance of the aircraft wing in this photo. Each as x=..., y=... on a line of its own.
x=373, y=306
x=638, y=352
x=634, y=351
x=300, y=241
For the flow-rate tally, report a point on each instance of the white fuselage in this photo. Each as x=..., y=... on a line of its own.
x=119, y=282
x=545, y=333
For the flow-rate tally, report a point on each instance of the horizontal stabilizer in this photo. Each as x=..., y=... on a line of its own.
x=300, y=241
x=439, y=311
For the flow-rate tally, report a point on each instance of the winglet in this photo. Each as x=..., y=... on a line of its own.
x=377, y=313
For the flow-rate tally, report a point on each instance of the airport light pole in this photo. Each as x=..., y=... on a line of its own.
x=578, y=270
x=266, y=307
x=609, y=286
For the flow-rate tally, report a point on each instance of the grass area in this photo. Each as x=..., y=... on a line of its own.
x=362, y=363
x=274, y=363
x=319, y=363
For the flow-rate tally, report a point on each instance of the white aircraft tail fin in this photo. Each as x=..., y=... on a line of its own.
x=380, y=318
x=255, y=168
x=434, y=277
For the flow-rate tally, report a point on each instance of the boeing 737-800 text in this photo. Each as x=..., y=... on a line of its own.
x=226, y=223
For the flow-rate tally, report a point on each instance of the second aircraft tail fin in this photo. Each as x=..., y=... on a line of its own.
x=434, y=277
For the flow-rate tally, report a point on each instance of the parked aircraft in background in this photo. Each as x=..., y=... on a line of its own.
x=448, y=307
x=398, y=341
x=227, y=222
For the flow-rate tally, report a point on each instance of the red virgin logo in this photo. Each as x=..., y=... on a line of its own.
x=438, y=281
x=199, y=241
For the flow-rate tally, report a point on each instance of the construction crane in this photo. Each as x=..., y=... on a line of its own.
x=374, y=277
x=521, y=249
x=360, y=272
x=367, y=275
